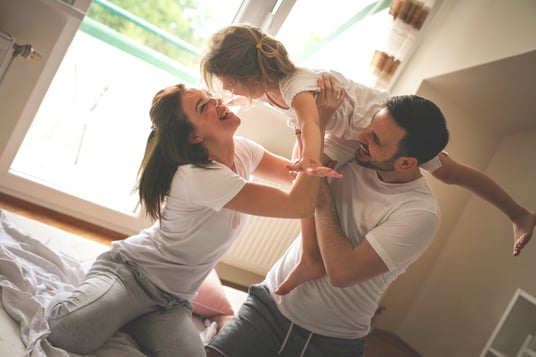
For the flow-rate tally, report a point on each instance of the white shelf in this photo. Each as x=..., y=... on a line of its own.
x=515, y=333
x=492, y=352
x=528, y=348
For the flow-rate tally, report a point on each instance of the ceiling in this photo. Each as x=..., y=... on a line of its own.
x=501, y=94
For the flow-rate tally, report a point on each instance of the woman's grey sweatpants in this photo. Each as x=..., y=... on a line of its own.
x=117, y=295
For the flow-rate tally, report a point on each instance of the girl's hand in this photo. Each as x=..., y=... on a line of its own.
x=313, y=169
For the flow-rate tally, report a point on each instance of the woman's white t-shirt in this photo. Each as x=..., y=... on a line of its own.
x=195, y=230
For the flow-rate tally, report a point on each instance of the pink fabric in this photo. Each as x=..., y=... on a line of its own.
x=211, y=299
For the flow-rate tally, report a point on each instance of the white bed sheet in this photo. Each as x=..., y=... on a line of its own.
x=37, y=261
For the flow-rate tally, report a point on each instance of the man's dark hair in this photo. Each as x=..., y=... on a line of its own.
x=425, y=126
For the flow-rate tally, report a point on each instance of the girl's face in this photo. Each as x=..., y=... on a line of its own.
x=251, y=90
x=211, y=119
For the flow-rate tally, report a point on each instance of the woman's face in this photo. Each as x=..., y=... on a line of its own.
x=211, y=119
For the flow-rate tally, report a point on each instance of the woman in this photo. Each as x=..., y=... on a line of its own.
x=194, y=181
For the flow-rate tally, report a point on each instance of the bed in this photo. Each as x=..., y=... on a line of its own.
x=37, y=261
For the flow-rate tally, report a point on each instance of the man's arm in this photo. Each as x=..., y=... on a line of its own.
x=456, y=173
x=345, y=264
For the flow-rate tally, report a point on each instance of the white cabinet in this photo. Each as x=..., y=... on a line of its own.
x=515, y=334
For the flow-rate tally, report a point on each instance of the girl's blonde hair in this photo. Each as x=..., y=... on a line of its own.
x=168, y=147
x=246, y=54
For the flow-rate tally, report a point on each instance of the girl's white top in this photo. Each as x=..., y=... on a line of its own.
x=353, y=115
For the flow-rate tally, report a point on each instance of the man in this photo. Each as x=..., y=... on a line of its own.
x=370, y=226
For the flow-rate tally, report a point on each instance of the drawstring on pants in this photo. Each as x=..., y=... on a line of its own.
x=287, y=337
x=306, y=344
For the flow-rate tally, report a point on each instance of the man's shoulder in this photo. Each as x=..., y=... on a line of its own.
x=413, y=194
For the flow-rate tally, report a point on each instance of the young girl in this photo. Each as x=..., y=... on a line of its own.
x=250, y=63
x=194, y=181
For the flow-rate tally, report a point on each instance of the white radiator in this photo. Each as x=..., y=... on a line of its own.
x=262, y=243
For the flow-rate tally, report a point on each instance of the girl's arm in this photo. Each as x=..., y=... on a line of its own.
x=311, y=135
x=313, y=119
x=299, y=201
x=453, y=172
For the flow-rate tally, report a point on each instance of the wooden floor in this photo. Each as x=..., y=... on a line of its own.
x=53, y=218
x=384, y=344
x=379, y=343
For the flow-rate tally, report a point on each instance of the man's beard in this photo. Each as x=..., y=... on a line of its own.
x=385, y=165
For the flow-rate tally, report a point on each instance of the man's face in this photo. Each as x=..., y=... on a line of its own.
x=380, y=143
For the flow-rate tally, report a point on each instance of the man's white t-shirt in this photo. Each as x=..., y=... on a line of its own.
x=398, y=220
x=354, y=114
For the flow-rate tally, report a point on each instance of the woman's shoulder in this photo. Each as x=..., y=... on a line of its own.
x=248, y=153
x=245, y=144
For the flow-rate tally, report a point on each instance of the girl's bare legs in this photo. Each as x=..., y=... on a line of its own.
x=310, y=266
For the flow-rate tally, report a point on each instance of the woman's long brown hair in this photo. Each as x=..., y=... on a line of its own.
x=167, y=148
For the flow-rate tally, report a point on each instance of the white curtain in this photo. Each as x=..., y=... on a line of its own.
x=408, y=18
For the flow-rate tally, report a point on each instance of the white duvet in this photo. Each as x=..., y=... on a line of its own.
x=32, y=271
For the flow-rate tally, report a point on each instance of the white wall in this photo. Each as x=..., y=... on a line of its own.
x=448, y=303
x=452, y=199
x=466, y=33
x=475, y=276
x=46, y=25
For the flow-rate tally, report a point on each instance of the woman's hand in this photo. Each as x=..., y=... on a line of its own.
x=328, y=99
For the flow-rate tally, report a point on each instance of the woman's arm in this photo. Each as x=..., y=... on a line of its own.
x=299, y=201
x=274, y=168
x=265, y=200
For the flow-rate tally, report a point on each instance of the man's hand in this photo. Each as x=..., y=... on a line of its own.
x=523, y=226
x=328, y=99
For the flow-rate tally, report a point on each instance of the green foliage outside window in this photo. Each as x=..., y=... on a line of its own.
x=178, y=18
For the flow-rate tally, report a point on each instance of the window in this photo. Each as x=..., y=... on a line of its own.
x=88, y=136
x=341, y=38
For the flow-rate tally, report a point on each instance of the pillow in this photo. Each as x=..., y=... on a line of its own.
x=211, y=299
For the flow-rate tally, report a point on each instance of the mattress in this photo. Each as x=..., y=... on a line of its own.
x=54, y=243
